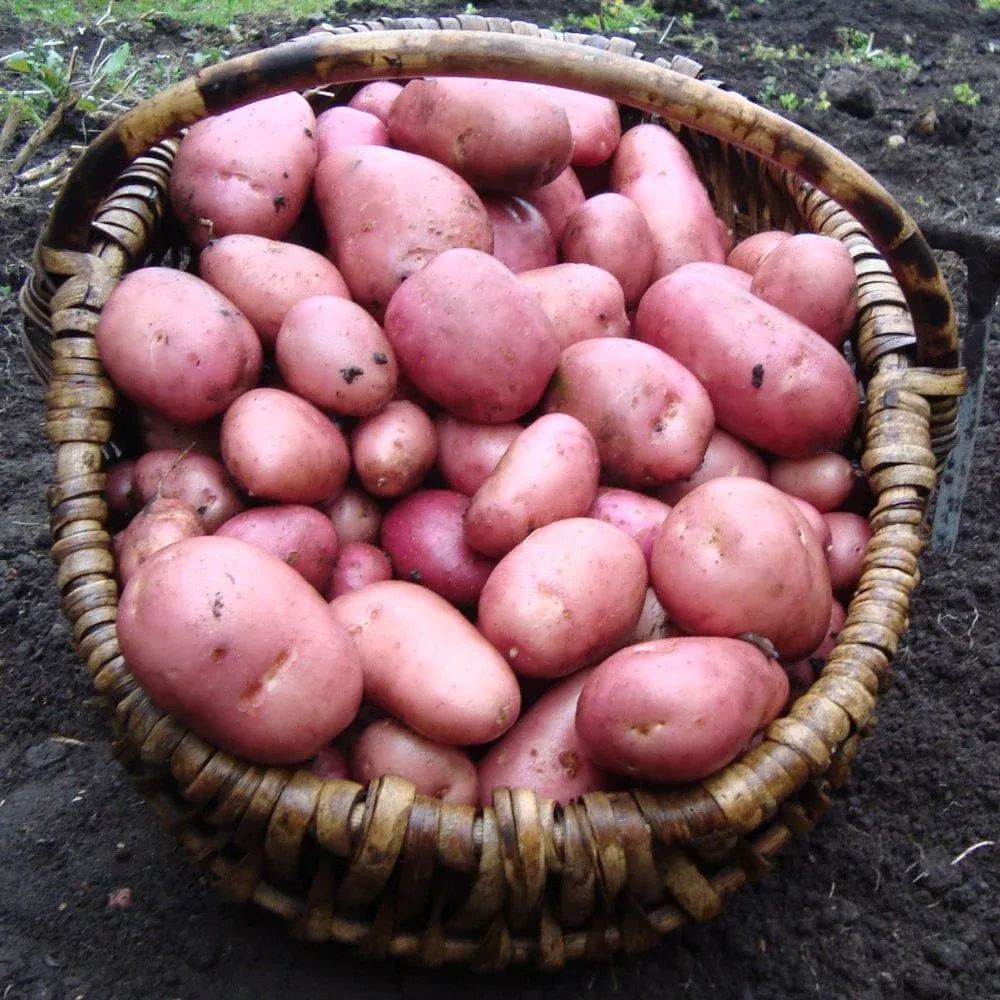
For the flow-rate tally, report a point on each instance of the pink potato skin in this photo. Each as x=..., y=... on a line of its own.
x=736, y=556
x=442, y=771
x=816, y=521
x=812, y=278
x=582, y=302
x=387, y=213
x=199, y=630
x=725, y=456
x=849, y=538
x=265, y=278
x=376, y=98
x=330, y=764
x=563, y=597
x=522, y=239
x=610, y=232
x=676, y=710
x=748, y=253
x=160, y=523
x=357, y=565
x=345, y=126
x=158, y=433
x=558, y=200
x=823, y=480
x=469, y=452
x=802, y=673
x=549, y=473
x=300, y=536
x=279, y=447
x=245, y=171
x=472, y=337
x=332, y=353
x=394, y=449
x=423, y=535
x=120, y=492
x=355, y=516
x=637, y=514
x=201, y=482
x=773, y=382
x=176, y=346
x=543, y=752
x=650, y=417
x=593, y=123
x=427, y=666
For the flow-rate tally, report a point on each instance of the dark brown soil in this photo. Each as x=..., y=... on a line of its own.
x=883, y=900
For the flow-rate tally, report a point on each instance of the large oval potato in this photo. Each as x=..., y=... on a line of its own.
x=594, y=124
x=563, y=597
x=426, y=665
x=239, y=647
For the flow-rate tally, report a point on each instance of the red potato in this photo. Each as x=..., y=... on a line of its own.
x=736, y=556
x=357, y=565
x=201, y=482
x=581, y=301
x=725, y=456
x=543, y=751
x=557, y=201
x=500, y=136
x=802, y=673
x=564, y=597
x=772, y=381
x=120, y=492
x=468, y=452
x=748, y=253
x=355, y=516
x=610, y=232
x=302, y=537
x=346, y=126
x=394, y=449
x=160, y=523
x=158, y=433
x=245, y=171
x=817, y=522
x=549, y=472
x=386, y=747
x=845, y=555
x=522, y=239
x=426, y=665
x=823, y=480
x=330, y=764
x=677, y=710
x=649, y=415
x=236, y=645
x=720, y=272
x=812, y=278
x=388, y=213
x=472, y=337
x=265, y=278
x=279, y=447
x=637, y=514
x=376, y=98
x=175, y=346
x=423, y=535
x=593, y=123
x=332, y=353
x=653, y=623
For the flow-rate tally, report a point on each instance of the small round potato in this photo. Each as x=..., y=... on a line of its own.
x=158, y=434
x=637, y=514
x=346, y=126
x=376, y=98
x=394, y=449
x=824, y=480
x=849, y=538
x=355, y=516
x=357, y=565
x=469, y=452
x=522, y=239
x=120, y=491
x=163, y=521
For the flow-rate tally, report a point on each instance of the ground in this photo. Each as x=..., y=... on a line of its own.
x=894, y=895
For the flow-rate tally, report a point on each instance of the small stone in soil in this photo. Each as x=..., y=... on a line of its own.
x=45, y=754
x=120, y=899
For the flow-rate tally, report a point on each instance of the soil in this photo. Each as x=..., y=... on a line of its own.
x=894, y=895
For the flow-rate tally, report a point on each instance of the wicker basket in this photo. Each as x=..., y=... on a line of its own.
x=381, y=867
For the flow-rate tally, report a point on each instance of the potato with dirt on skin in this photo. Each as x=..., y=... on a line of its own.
x=357, y=565
x=675, y=710
x=522, y=239
x=394, y=449
x=426, y=665
x=468, y=452
x=163, y=521
x=236, y=645
x=725, y=455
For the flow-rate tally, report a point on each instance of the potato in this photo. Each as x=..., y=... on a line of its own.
x=300, y=536
x=522, y=239
x=357, y=565
x=355, y=516
x=163, y=521
x=653, y=623
x=725, y=456
x=649, y=415
x=676, y=710
x=637, y=514
x=265, y=278
x=279, y=447
x=175, y=346
x=345, y=126
x=245, y=171
x=849, y=538
x=581, y=301
x=386, y=747
x=120, y=492
x=811, y=278
x=563, y=597
x=332, y=353
x=819, y=525
x=557, y=201
x=472, y=337
x=802, y=673
x=388, y=213
x=426, y=665
x=500, y=136
x=748, y=253
x=772, y=381
x=543, y=752
x=824, y=480
x=330, y=764
x=201, y=482
x=549, y=472
x=468, y=452
x=394, y=449
x=593, y=123
x=376, y=98
x=610, y=232
x=236, y=645
x=158, y=433
x=736, y=556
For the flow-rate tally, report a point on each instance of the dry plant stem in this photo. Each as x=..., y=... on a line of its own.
x=10, y=124
x=37, y=139
x=43, y=170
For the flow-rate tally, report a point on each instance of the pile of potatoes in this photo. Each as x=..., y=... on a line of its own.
x=476, y=452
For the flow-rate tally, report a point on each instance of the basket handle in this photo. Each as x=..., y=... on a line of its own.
x=333, y=59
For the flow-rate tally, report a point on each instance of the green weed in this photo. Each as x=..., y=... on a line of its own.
x=790, y=101
x=989, y=4
x=964, y=94
x=857, y=46
x=621, y=18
